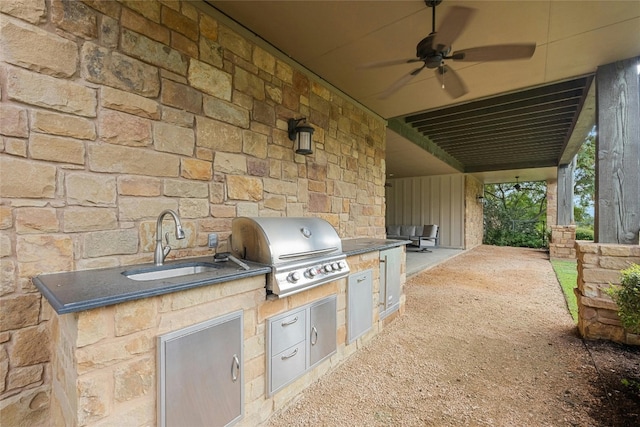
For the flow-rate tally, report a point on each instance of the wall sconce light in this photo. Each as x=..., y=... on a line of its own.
x=480, y=198
x=302, y=135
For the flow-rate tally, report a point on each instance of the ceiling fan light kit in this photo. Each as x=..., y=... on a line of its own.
x=436, y=48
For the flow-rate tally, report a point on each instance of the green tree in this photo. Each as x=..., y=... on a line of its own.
x=515, y=217
x=585, y=182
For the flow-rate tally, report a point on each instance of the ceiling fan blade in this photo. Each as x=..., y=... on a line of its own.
x=450, y=81
x=498, y=52
x=398, y=84
x=379, y=64
x=452, y=26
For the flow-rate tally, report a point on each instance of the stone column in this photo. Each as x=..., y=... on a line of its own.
x=617, y=211
x=552, y=203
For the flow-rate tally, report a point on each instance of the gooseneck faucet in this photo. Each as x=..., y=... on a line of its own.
x=161, y=252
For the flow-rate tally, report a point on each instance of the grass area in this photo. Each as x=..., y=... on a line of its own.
x=567, y=275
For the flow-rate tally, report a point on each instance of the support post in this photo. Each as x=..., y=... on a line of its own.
x=565, y=193
x=617, y=213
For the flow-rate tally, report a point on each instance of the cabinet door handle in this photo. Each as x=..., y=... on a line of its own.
x=362, y=279
x=290, y=322
x=235, y=368
x=314, y=336
x=289, y=356
x=386, y=280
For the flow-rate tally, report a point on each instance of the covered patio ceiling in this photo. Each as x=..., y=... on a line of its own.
x=531, y=128
x=502, y=127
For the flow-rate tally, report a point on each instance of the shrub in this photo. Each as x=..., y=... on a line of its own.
x=584, y=234
x=627, y=297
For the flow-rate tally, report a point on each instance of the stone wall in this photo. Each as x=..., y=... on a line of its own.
x=112, y=111
x=473, y=212
x=562, y=243
x=599, y=266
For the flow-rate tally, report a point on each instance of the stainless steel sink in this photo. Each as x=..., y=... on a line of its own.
x=171, y=270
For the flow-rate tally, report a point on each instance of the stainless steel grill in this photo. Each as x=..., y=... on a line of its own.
x=302, y=252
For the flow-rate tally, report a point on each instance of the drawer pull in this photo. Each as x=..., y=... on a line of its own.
x=235, y=368
x=290, y=355
x=290, y=322
x=362, y=280
x=314, y=336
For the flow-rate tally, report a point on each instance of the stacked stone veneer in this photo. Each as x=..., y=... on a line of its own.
x=112, y=111
x=473, y=212
x=599, y=266
x=104, y=363
x=563, y=241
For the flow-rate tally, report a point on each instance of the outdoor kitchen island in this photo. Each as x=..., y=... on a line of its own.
x=106, y=361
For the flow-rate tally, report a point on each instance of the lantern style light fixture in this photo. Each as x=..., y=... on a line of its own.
x=301, y=134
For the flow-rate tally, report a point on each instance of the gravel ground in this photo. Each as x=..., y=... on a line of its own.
x=486, y=340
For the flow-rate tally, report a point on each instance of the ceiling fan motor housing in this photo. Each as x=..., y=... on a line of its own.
x=426, y=53
x=432, y=3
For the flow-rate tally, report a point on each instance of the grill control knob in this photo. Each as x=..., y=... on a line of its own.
x=293, y=277
x=311, y=272
x=335, y=266
x=327, y=268
x=341, y=265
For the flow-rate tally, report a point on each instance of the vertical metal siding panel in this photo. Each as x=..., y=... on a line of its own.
x=445, y=211
x=408, y=190
x=399, y=201
x=425, y=202
x=429, y=200
x=416, y=201
x=434, y=195
x=390, y=201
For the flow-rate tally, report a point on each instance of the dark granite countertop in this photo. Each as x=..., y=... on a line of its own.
x=74, y=291
x=363, y=245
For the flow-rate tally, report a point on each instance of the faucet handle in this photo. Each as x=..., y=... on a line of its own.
x=166, y=249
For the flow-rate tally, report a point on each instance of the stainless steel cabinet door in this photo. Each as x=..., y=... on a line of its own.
x=201, y=380
x=322, y=330
x=359, y=304
x=390, y=279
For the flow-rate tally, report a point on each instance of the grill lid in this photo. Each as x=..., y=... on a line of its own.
x=302, y=252
x=280, y=240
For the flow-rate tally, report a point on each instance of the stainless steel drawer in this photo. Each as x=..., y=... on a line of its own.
x=288, y=365
x=287, y=330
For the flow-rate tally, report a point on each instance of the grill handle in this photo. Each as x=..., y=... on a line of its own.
x=309, y=253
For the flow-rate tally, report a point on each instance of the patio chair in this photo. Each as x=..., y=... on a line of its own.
x=430, y=236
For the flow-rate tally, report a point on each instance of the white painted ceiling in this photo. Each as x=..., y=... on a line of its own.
x=334, y=38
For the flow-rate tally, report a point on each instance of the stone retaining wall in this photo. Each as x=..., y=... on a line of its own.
x=599, y=266
x=563, y=241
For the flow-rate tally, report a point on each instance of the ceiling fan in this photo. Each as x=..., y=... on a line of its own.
x=434, y=49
